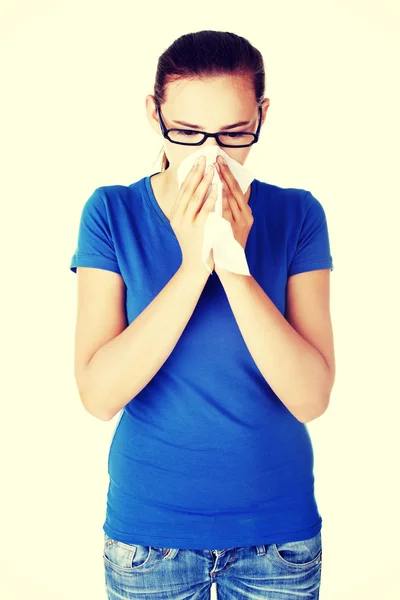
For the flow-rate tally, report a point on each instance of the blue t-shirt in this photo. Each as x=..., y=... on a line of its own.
x=206, y=456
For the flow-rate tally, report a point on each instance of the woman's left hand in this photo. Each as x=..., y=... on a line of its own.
x=235, y=209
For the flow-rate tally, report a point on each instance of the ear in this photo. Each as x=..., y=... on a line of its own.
x=152, y=114
x=264, y=109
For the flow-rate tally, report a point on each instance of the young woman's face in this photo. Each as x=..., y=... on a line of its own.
x=211, y=104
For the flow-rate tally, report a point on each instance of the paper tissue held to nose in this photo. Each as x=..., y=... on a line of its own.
x=218, y=234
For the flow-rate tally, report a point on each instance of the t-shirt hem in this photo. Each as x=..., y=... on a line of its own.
x=305, y=266
x=87, y=260
x=157, y=540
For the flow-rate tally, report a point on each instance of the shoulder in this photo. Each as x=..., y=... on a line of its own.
x=287, y=199
x=110, y=200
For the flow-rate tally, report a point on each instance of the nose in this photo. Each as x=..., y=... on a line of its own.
x=211, y=142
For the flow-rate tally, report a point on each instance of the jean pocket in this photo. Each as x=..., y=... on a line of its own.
x=125, y=557
x=299, y=554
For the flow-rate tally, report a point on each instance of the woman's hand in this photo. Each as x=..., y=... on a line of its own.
x=189, y=214
x=235, y=209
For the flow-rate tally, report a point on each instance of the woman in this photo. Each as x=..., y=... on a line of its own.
x=211, y=463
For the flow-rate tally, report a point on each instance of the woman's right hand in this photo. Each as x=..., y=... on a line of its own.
x=189, y=215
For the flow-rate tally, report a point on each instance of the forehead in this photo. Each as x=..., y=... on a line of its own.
x=200, y=95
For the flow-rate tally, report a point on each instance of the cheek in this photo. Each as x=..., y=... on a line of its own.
x=176, y=154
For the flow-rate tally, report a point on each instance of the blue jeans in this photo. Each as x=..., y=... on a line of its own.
x=283, y=571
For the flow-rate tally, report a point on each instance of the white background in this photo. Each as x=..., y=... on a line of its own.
x=74, y=76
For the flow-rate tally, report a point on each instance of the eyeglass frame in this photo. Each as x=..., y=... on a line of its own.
x=165, y=132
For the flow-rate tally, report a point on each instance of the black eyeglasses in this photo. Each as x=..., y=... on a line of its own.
x=237, y=139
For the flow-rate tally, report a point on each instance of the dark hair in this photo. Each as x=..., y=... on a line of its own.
x=208, y=53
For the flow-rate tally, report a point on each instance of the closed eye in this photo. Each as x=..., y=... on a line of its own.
x=236, y=134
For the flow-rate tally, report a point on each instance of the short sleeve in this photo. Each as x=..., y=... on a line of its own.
x=95, y=246
x=312, y=250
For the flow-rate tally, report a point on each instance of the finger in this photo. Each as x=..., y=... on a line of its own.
x=226, y=209
x=231, y=203
x=229, y=178
x=209, y=203
x=197, y=199
x=188, y=186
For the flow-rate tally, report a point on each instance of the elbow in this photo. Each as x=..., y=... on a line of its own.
x=101, y=416
x=86, y=395
x=93, y=408
x=313, y=411
x=90, y=404
x=96, y=412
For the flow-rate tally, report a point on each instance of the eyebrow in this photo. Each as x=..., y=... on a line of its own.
x=239, y=124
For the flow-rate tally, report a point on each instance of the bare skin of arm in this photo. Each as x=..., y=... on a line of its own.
x=113, y=361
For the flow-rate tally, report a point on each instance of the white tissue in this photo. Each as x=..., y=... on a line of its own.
x=218, y=234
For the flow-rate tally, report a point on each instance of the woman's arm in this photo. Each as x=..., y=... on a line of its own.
x=123, y=366
x=298, y=364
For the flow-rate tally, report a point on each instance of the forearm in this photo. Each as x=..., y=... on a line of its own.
x=123, y=367
x=294, y=369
